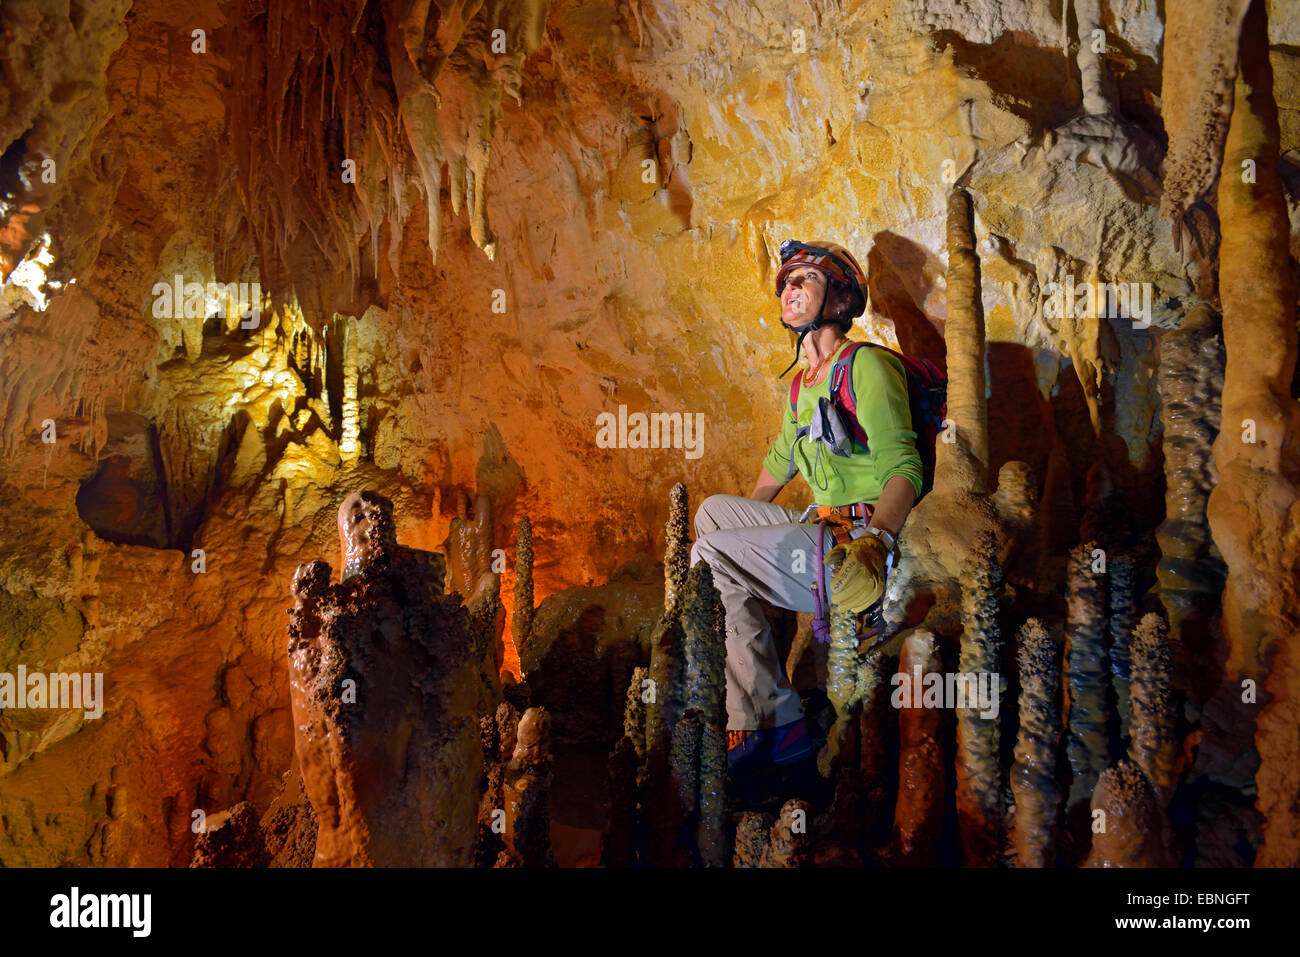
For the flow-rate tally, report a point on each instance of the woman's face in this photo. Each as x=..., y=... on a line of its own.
x=801, y=299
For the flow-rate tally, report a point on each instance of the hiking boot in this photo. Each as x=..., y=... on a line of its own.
x=763, y=764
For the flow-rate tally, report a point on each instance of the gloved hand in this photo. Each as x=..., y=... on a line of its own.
x=861, y=579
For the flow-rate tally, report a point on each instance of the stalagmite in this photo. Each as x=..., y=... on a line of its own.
x=711, y=833
x=1258, y=495
x=521, y=613
x=1126, y=821
x=979, y=774
x=918, y=815
x=507, y=720
x=1087, y=675
x=677, y=550
x=1033, y=776
x=873, y=754
x=965, y=460
x=1120, y=627
x=842, y=662
x=490, y=843
x=684, y=761
x=469, y=547
x=846, y=684
x=704, y=656
x=1154, y=747
x=789, y=844
x=704, y=660
x=349, y=441
x=1190, y=571
x=752, y=833
x=1017, y=503
x=381, y=650
x=532, y=762
x=664, y=705
x=621, y=793
x=938, y=531
x=634, y=710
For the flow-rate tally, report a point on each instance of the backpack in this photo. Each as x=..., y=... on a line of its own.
x=927, y=395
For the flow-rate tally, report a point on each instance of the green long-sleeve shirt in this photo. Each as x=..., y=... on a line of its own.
x=880, y=387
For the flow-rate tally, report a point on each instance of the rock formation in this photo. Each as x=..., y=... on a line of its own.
x=384, y=679
x=919, y=812
x=1154, y=746
x=1259, y=470
x=1033, y=776
x=1127, y=821
x=979, y=771
x=1087, y=675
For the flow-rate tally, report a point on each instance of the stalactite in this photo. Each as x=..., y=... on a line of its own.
x=1094, y=76
x=1087, y=744
x=918, y=815
x=1120, y=626
x=1197, y=97
x=1033, y=776
x=1258, y=495
x=979, y=774
x=964, y=463
x=789, y=844
x=1128, y=831
x=1154, y=747
x=521, y=616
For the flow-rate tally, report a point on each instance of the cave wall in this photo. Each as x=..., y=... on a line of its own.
x=427, y=333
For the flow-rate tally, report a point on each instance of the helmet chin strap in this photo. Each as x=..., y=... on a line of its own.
x=803, y=330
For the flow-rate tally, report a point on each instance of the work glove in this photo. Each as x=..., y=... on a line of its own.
x=861, y=579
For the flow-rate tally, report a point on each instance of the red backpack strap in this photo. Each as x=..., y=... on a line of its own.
x=794, y=396
x=842, y=390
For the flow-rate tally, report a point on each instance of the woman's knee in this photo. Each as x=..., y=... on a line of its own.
x=706, y=516
x=702, y=549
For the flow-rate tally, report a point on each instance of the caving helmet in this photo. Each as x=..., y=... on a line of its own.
x=842, y=272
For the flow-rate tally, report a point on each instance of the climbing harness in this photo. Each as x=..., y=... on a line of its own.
x=840, y=521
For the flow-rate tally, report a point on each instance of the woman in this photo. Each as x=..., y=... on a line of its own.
x=761, y=551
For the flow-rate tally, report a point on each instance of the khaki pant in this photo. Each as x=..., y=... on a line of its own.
x=758, y=551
